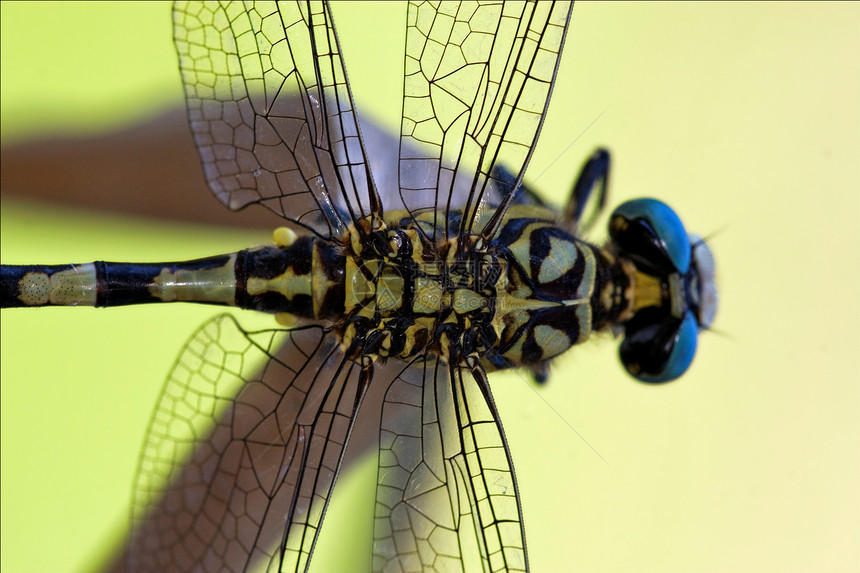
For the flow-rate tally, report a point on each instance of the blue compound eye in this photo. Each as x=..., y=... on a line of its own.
x=652, y=235
x=658, y=349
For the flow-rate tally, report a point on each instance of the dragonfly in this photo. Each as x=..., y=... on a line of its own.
x=410, y=270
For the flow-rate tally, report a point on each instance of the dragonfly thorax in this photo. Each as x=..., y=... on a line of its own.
x=525, y=297
x=405, y=294
x=558, y=289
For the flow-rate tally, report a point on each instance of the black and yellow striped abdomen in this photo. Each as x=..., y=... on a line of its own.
x=302, y=277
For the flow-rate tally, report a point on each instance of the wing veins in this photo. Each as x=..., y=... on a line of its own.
x=490, y=226
x=460, y=391
x=498, y=103
x=500, y=99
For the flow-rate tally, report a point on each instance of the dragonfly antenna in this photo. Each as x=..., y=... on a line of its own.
x=569, y=145
x=560, y=417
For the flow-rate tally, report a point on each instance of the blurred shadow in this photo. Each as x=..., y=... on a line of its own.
x=150, y=169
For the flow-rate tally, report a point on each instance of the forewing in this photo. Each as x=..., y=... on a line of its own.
x=271, y=111
x=446, y=497
x=242, y=451
x=477, y=83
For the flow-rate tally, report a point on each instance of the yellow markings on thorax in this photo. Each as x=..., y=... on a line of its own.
x=359, y=288
x=521, y=248
x=428, y=296
x=586, y=284
x=217, y=285
x=585, y=318
x=382, y=290
x=561, y=258
x=552, y=341
x=389, y=289
x=425, y=323
x=516, y=303
x=584, y=312
x=466, y=301
x=76, y=286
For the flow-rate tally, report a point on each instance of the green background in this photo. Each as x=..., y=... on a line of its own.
x=744, y=117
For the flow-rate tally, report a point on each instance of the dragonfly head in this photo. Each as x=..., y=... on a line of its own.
x=674, y=296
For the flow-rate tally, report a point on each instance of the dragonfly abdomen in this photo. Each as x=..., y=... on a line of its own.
x=304, y=278
x=103, y=283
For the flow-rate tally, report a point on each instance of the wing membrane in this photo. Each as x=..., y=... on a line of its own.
x=271, y=111
x=477, y=82
x=446, y=495
x=242, y=451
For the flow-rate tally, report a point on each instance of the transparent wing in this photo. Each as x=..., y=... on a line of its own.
x=242, y=451
x=477, y=83
x=446, y=497
x=271, y=111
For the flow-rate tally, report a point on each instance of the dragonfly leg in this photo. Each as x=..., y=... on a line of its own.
x=540, y=373
x=364, y=378
x=523, y=195
x=594, y=174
